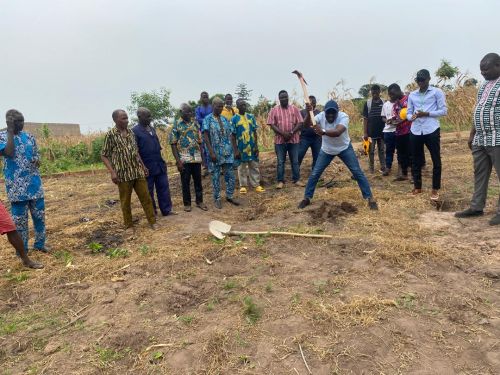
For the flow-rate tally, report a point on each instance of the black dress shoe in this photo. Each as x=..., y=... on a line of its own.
x=233, y=201
x=469, y=213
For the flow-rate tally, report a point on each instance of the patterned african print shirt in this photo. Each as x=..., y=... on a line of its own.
x=487, y=115
x=228, y=113
x=123, y=153
x=220, y=139
x=187, y=138
x=245, y=127
x=22, y=177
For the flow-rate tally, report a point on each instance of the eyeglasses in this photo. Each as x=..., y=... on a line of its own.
x=420, y=79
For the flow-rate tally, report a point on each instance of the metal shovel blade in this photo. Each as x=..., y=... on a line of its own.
x=219, y=229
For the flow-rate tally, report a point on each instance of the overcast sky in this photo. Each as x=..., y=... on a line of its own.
x=78, y=60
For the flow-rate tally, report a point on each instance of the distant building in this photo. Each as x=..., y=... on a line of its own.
x=55, y=129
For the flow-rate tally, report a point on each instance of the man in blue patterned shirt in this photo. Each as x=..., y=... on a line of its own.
x=23, y=181
x=484, y=139
x=219, y=136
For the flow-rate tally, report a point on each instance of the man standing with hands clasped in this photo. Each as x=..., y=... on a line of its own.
x=286, y=122
x=425, y=106
x=484, y=140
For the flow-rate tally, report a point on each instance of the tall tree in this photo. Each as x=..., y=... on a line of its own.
x=243, y=92
x=364, y=91
x=157, y=101
x=446, y=71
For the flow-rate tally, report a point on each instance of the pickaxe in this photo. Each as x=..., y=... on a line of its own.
x=303, y=83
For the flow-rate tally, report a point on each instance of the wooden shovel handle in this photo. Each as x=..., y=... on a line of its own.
x=237, y=233
x=306, y=98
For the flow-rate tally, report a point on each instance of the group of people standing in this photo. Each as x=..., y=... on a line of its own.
x=220, y=138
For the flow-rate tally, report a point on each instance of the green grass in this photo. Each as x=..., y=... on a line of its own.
x=230, y=284
x=11, y=323
x=65, y=256
x=117, y=253
x=186, y=319
x=18, y=278
x=251, y=311
x=107, y=355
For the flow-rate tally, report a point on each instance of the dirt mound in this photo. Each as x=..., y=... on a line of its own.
x=332, y=211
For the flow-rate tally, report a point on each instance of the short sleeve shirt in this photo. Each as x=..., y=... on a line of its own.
x=388, y=113
x=334, y=145
x=403, y=128
x=123, y=153
x=229, y=112
x=285, y=119
x=487, y=115
x=245, y=127
x=22, y=177
x=186, y=137
x=220, y=138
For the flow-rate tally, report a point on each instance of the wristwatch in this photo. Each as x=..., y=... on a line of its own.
x=323, y=132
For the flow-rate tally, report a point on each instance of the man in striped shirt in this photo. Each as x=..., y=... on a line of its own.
x=121, y=157
x=286, y=122
x=484, y=140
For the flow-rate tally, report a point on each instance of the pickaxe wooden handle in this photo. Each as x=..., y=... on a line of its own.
x=303, y=83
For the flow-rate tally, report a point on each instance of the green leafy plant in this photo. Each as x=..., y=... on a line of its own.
x=95, y=247
x=117, y=253
x=251, y=311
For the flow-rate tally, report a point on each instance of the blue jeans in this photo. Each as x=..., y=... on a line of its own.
x=390, y=148
x=350, y=160
x=314, y=144
x=36, y=208
x=293, y=154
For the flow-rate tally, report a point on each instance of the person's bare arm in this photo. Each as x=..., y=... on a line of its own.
x=235, y=147
x=471, y=136
x=178, y=161
x=107, y=163
x=9, y=149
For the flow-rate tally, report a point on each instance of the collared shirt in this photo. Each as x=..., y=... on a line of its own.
x=487, y=114
x=228, y=113
x=308, y=132
x=285, y=119
x=187, y=139
x=432, y=101
x=334, y=145
x=246, y=128
x=123, y=154
x=22, y=177
x=201, y=112
x=388, y=113
x=404, y=127
x=150, y=149
x=220, y=139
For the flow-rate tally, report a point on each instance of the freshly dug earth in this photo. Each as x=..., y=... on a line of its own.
x=408, y=289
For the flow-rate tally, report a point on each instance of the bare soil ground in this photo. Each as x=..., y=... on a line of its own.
x=408, y=289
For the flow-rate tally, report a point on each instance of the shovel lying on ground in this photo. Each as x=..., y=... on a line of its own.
x=220, y=229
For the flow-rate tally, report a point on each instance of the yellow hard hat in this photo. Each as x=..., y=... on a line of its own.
x=402, y=113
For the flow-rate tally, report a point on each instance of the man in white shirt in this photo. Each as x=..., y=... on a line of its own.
x=425, y=106
x=389, y=133
x=332, y=125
